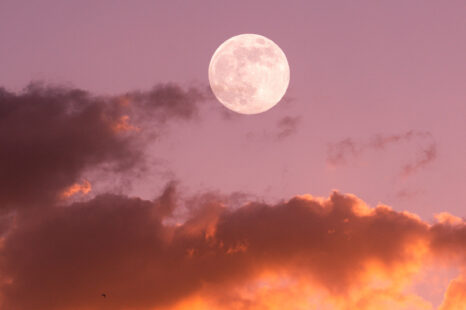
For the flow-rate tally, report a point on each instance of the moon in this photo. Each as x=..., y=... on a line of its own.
x=249, y=73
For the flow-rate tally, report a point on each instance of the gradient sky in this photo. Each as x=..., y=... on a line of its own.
x=376, y=105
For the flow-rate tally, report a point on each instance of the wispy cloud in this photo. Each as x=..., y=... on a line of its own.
x=342, y=152
x=287, y=126
x=427, y=155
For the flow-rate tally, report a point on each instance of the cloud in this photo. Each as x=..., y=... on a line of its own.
x=283, y=128
x=58, y=251
x=50, y=135
x=287, y=126
x=340, y=152
x=337, y=250
x=455, y=295
x=427, y=156
x=83, y=188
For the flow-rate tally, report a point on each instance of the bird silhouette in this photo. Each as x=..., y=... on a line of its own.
x=104, y=295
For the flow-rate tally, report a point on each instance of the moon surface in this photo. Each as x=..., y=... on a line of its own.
x=249, y=73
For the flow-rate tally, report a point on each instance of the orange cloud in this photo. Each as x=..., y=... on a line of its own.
x=122, y=124
x=256, y=256
x=83, y=188
x=455, y=297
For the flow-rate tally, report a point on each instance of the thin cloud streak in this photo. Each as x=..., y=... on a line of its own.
x=287, y=126
x=341, y=152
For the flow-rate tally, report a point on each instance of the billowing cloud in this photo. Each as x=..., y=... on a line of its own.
x=340, y=153
x=61, y=248
x=50, y=135
x=455, y=298
x=337, y=250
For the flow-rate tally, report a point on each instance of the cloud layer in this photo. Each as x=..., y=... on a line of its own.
x=65, y=257
x=178, y=252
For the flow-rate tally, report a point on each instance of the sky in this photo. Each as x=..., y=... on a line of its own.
x=120, y=172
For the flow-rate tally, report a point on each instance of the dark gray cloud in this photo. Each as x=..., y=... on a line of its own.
x=50, y=135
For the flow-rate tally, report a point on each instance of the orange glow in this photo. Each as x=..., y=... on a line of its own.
x=307, y=253
x=447, y=218
x=123, y=125
x=274, y=291
x=240, y=247
x=77, y=188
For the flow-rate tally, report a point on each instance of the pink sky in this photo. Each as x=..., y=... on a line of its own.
x=376, y=105
x=357, y=69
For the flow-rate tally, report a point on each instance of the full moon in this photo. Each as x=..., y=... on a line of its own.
x=249, y=73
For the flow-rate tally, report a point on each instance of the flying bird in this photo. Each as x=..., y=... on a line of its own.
x=104, y=295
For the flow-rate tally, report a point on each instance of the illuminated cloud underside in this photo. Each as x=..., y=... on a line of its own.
x=333, y=253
